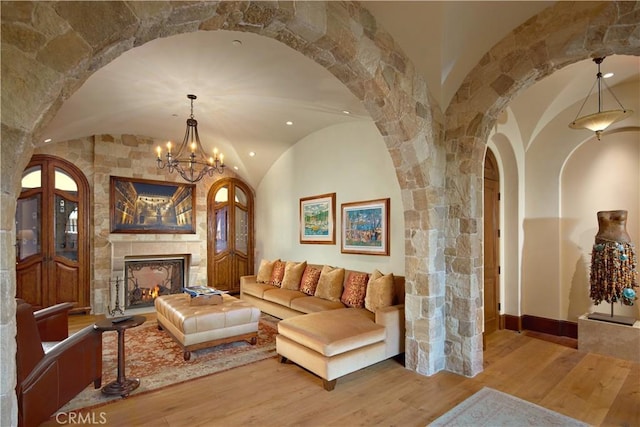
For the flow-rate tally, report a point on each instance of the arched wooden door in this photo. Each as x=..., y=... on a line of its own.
x=52, y=238
x=491, y=243
x=230, y=234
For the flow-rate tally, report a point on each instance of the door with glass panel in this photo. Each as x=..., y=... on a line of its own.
x=230, y=234
x=52, y=245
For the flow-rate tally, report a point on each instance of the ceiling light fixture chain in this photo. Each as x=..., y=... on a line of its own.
x=600, y=121
x=194, y=166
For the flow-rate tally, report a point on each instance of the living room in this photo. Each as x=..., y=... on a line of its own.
x=422, y=244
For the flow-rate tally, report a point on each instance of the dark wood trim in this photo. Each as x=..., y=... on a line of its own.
x=510, y=322
x=561, y=328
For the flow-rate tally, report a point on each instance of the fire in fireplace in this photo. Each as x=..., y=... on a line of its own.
x=149, y=277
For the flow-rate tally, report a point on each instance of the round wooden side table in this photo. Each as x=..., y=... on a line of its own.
x=121, y=386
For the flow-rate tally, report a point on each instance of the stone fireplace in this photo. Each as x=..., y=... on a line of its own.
x=144, y=269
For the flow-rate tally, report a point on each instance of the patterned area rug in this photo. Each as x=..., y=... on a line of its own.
x=154, y=357
x=490, y=407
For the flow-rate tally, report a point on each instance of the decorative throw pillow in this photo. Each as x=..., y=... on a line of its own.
x=380, y=291
x=265, y=270
x=292, y=274
x=277, y=273
x=309, y=280
x=330, y=283
x=355, y=289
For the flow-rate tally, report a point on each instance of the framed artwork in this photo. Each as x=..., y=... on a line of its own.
x=145, y=206
x=365, y=227
x=317, y=219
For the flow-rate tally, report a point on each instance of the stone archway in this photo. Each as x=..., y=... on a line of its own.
x=51, y=48
x=558, y=36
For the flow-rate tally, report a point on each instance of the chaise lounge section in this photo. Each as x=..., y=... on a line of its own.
x=349, y=320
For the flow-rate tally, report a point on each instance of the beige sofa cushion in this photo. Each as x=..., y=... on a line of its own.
x=380, y=291
x=314, y=304
x=282, y=296
x=330, y=283
x=256, y=289
x=265, y=270
x=333, y=332
x=293, y=274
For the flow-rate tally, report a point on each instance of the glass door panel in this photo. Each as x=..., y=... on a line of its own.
x=241, y=231
x=28, y=227
x=66, y=228
x=221, y=230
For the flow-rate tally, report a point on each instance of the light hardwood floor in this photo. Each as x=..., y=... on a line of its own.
x=595, y=389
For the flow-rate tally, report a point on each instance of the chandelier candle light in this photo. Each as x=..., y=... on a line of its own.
x=194, y=165
x=600, y=121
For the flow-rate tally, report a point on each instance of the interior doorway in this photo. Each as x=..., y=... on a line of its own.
x=230, y=234
x=52, y=244
x=491, y=243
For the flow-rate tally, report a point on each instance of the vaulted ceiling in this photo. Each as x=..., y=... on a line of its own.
x=249, y=86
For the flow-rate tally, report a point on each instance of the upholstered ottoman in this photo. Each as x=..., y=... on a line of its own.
x=200, y=326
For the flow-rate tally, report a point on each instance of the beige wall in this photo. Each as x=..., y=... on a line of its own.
x=552, y=185
x=350, y=160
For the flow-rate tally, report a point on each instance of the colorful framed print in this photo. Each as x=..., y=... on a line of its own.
x=317, y=219
x=365, y=227
x=145, y=206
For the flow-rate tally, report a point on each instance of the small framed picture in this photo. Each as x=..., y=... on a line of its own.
x=365, y=227
x=317, y=219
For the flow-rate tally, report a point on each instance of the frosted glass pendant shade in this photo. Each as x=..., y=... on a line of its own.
x=598, y=122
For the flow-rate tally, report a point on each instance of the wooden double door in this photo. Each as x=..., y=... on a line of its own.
x=230, y=234
x=491, y=244
x=52, y=244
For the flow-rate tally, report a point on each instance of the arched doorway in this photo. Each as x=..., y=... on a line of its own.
x=230, y=234
x=491, y=223
x=52, y=245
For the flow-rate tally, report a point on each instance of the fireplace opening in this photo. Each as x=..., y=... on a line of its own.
x=151, y=276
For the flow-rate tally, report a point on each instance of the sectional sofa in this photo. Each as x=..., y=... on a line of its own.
x=335, y=321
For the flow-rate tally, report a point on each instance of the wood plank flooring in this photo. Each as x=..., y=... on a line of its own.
x=596, y=389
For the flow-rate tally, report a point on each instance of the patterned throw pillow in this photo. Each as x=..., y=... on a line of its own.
x=355, y=289
x=277, y=273
x=380, y=291
x=330, y=283
x=309, y=280
x=265, y=270
x=292, y=274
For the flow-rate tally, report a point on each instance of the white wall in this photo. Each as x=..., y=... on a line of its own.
x=598, y=176
x=348, y=159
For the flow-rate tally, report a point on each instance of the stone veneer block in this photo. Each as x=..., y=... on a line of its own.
x=610, y=339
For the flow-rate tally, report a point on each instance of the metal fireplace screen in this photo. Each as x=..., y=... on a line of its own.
x=151, y=277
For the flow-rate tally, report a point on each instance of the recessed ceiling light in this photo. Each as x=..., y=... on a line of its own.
x=252, y=153
x=236, y=43
x=47, y=140
x=607, y=75
x=235, y=167
x=289, y=123
x=346, y=112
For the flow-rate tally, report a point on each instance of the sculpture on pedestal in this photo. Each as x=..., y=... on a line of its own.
x=613, y=265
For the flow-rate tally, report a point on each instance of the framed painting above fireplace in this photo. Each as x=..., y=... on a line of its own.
x=146, y=206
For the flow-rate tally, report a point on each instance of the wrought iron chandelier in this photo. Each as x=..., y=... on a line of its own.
x=600, y=121
x=191, y=161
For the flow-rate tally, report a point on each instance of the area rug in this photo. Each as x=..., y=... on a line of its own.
x=490, y=407
x=154, y=357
